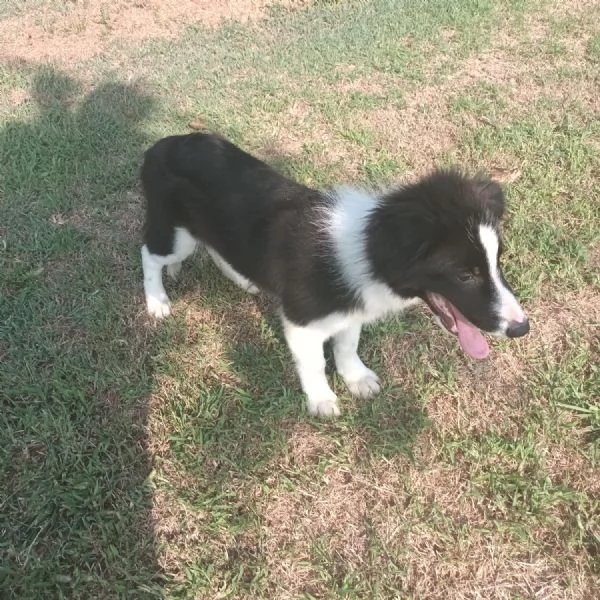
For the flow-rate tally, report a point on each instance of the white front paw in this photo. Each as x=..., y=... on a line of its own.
x=324, y=406
x=365, y=386
x=159, y=307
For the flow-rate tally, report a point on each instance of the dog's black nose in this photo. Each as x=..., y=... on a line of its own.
x=517, y=329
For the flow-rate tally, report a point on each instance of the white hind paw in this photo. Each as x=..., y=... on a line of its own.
x=159, y=307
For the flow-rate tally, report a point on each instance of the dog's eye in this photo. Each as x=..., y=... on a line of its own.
x=468, y=276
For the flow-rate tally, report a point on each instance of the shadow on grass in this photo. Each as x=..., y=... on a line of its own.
x=75, y=506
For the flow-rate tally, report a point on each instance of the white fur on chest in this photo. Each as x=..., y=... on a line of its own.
x=382, y=303
x=346, y=223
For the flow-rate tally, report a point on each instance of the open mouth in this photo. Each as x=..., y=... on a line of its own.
x=469, y=337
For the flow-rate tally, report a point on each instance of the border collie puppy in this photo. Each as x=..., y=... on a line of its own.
x=333, y=260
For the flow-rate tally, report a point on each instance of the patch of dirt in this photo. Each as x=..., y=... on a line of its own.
x=299, y=126
x=489, y=565
x=574, y=8
x=526, y=81
x=557, y=317
x=417, y=133
x=87, y=28
x=178, y=530
x=330, y=517
x=16, y=97
x=492, y=67
x=301, y=117
x=444, y=486
x=306, y=446
x=487, y=395
x=499, y=69
x=302, y=129
x=492, y=394
x=424, y=520
x=399, y=355
x=594, y=258
x=424, y=129
x=370, y=85
x=565, y=463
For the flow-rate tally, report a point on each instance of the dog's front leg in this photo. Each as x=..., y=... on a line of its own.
x=361, y=381
x=306, y=346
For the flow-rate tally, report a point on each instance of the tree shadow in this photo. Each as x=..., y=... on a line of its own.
x=75, y=502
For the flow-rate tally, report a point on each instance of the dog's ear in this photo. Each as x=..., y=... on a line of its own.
x=402, y=230
x=491, y=195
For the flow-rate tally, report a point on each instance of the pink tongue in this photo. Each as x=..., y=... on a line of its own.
x=469, y=337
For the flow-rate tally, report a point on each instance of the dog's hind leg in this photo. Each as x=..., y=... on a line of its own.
x=231, y=273
x=183, y=245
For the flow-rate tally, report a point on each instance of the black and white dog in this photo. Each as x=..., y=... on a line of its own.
x=333, y=260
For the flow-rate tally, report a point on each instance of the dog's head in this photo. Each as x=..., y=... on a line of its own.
x=440, y=239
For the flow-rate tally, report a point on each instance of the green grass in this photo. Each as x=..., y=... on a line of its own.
x=177, y=460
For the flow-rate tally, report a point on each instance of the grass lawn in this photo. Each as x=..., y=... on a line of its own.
x=177, y=460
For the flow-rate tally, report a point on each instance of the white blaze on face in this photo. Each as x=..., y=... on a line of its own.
x=508, y=309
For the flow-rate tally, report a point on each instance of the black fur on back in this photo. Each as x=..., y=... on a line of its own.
x=260, y=222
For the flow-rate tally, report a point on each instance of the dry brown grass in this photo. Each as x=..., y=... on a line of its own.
x=448, y=549
x=301, y=117
x=81, y=30
x=371, y=85
x=489, y=565
x=492, y=394
x=450, y=553
x=306, y=447
x=178, y=529
x=425, y=112
x=328, y=515
x=424, y=118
